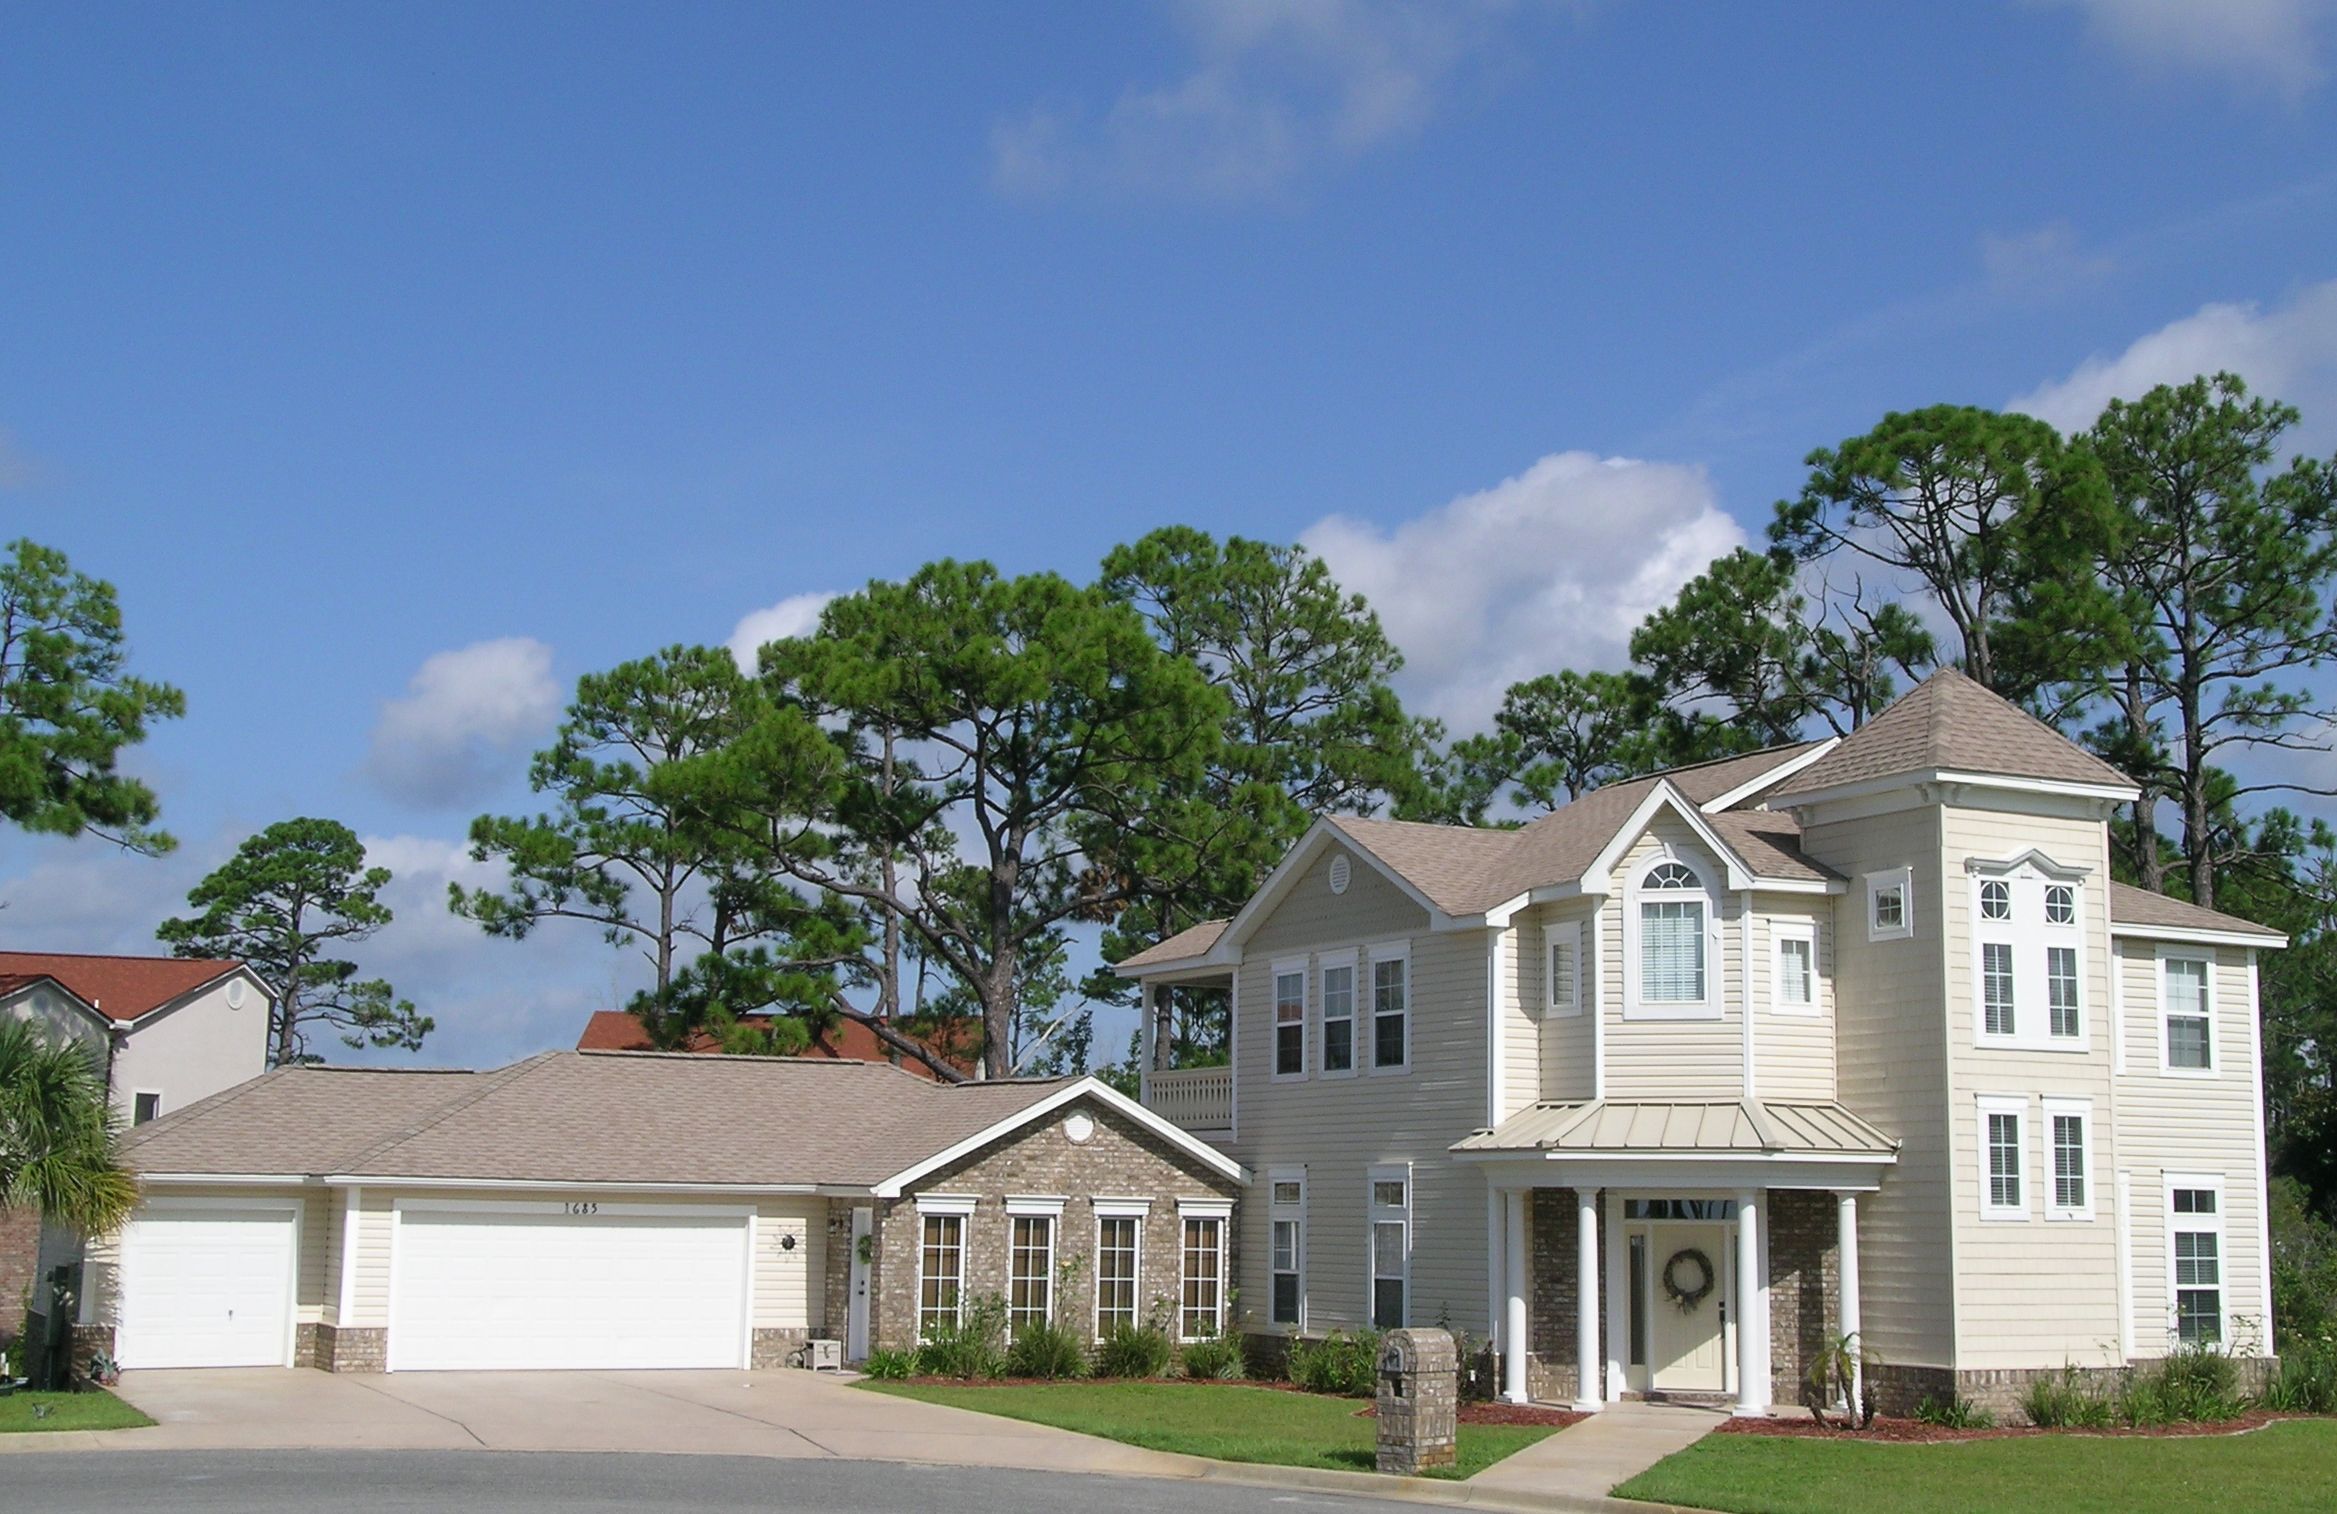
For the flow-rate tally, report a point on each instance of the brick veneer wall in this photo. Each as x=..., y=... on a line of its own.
x=1122, y=1160
x=836, y=1281
x=20, y=1264
x=1805, y=1289
x=1552, y=1297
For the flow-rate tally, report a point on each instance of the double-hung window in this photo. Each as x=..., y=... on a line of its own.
x=1391, y=1246
x=1674, y=919
x=1339, y=1015
x=1391, y=1009
x=1794, y=984
x=1201, y=1306
x=941, y=1261
x=1030, y=1264
x=2069, y=1142
x=1287, y=1264
x=1290, y=1019
x=2004, y=1176
x=2195, y=1259
x=2186, y=1002
x=1119, y=1250
x=1998, y=1012
x=2027, y=964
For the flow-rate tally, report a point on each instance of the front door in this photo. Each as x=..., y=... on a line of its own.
x=856, y=1325
x=1688, y=1279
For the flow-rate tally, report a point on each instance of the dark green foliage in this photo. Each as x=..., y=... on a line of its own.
x=59, y=1135
x=2067, y=1401
x=1954, y=1414
x=291, y=893
x=2306, y=1381
x=68, y=708
x=1555, y=738
x=2304, y=1273
x=2190, y=1385
x=971, y=1346
x=1213, y=1358
x=890, y=1366
x=1134, y=1351
x=1045, y=1349
x=1345, y=1362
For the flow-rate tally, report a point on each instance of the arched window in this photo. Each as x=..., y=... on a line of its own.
x=1672, y=905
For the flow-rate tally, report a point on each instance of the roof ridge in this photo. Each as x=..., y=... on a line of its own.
x=489, y=1082
x=21, y=951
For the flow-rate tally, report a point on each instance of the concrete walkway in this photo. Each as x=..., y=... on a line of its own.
x=1586, y=1460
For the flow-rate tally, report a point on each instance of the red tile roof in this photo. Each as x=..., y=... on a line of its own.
x=120, y=988
x=846, y=1041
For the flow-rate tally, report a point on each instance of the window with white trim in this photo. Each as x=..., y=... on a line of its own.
x=2067, y=1020
x=1339, y=1015
x=1998, y=1016
x=2070, y=1154
x=1119, y=1247
x=1391, y=1246
x=2027, y=968
x=144, y=1106
x=1201, y=1309
x=1286, y=1210
x=1030, y=1271
x=941, y=1268
x=1794, y=981
x=1890, y=905
x=1562, y=968
x=2195, y=1260
x=2186, y=1005
x=1674, y=919
x=2004, y=1174
x=1290, y=1019
x=1391, y=1010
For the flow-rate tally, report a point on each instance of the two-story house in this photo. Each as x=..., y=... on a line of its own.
x=167, y=1030
x=1670, y=1087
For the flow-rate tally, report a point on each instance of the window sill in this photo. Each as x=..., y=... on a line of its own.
x=1665, y=1011
x=1400, y=1069
x=1797, y=1011
x=2005, y=1217
x=2069, y=1216
x=2063, y=1045
x=2194, y=1074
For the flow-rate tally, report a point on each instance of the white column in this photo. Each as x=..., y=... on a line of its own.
x=1513, y=1328
x=1752, y=1359
x=1589, y=1362
x=1846, y=1242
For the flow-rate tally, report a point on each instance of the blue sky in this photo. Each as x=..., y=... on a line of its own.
x=401, y=363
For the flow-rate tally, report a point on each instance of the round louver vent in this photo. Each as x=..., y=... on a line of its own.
x=1339, y=874
x=235, y=992
x=1080, y=1129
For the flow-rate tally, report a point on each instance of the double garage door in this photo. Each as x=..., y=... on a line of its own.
x=471, y=1287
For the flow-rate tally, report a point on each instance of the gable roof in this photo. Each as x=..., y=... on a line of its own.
x=120, y=988
x=1951, y=724
x=628, y=1118
x=844, y=1041
x=2139, y=911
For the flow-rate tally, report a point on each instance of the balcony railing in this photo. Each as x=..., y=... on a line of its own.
x=1197, y=1098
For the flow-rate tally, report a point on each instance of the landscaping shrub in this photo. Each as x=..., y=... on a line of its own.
x=887, y=1366
x=2307, y=1380
x=1955, y=1414
x=2193, y=1385
x=1046, y=1349
x=970, y=1346
x=2068, y=1402
x=1134, y=1351
x=1213, y=1358
x=1345, y=1362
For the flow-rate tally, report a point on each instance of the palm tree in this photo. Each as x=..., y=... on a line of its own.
x=59, y=1136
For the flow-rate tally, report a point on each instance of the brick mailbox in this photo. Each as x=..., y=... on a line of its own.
x=1419, y=1401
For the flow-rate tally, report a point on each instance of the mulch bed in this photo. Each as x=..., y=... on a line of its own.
x=1916, y=1432
x=1471, y=1413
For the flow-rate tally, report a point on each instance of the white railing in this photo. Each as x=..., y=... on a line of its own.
x=1197, y=1098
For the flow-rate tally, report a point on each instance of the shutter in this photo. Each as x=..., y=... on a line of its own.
x=1562, y=965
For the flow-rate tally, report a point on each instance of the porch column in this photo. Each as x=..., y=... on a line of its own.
x=1146, y=1040
x=1752, y=1318
x=1846, y=1240
x=1513, y=1325
x=1590, y=1388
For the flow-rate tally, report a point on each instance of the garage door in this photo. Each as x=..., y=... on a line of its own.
x=566, y=1286
x=207, y=1288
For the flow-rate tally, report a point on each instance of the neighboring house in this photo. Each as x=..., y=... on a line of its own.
x=1667, y=1088
x=609, y=1209
x=844, y=1041
x=167, y=1030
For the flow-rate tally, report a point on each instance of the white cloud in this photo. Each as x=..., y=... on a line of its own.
x=1277, y=86
x=2042, y=262
x=796, y=615
x=1551, y=569
x=2289, y=353
x=466, y=717
x=2273, y=44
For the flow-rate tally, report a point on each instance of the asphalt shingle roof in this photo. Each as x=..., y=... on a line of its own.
x=1951, y=723
x=2140, y=907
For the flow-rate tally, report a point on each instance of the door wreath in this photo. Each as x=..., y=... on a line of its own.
x=1688, y=1295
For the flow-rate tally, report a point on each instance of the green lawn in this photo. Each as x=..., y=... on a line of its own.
x=1201, y=1419
x=2281, y=1467
x=94, y=1410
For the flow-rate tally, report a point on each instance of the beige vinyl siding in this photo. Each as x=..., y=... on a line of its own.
x=1336, y=1129
x=1310, y=914
x=1890, y=1068
x=786, y=1295
x=2190, y=1125
x=2032, y=1292
x=1793, y=1054
x=1674, y=1059
x=1520, y=1013
x=1568, y=1066
x=315, y=1293
x=369, y=1298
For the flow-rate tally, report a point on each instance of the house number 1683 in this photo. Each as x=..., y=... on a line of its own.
x=583, y=1206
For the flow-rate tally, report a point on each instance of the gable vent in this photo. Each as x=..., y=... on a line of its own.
x=1340, y=872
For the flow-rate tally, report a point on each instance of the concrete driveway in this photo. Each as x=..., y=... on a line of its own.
x=781, y=1414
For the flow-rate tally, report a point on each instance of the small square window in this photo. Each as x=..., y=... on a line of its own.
x=2060, y=904
x=144, y=1107
x=1286, y=1193
x=1890, y=905
x=1387, y=1194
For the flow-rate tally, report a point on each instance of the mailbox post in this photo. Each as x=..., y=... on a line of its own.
x=1419, y=1401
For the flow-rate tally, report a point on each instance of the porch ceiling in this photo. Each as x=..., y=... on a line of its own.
x=1715, y=1128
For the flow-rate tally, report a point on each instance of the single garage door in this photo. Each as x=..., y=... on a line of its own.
x=569, y=1286
x=208, y=1287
